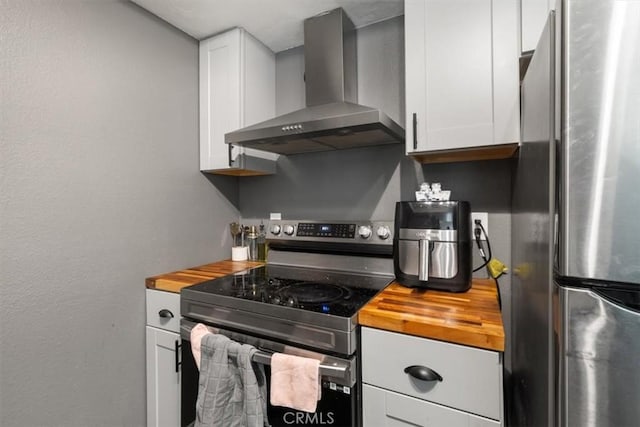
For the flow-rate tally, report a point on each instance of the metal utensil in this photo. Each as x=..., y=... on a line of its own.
x=235, y=229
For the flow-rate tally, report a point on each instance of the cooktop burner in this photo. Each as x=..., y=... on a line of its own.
x=322, y=291
x=315, y=293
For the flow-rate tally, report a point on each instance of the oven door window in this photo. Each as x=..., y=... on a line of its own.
x=337, y=407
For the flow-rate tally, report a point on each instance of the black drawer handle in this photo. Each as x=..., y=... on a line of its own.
x=422, y=373
x=165, y=313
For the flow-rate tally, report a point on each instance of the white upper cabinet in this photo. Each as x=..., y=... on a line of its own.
x=462, y=89
x=534, y=15
x=237, y=89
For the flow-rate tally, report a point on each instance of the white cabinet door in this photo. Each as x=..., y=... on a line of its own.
x=385, y=408
x=457, y=52
x=506, y=73
x=219, y=97
x=163, y=380
x=451, y=105
x=534, y=15
x=237, y=89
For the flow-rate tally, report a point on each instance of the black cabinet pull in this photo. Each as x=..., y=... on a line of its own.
x=165, y=313
x=230, y=147
x=415, y=131
x=177, y=354
x=422, y=373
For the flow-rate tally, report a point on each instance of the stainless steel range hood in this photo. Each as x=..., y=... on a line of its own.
x=332, y=119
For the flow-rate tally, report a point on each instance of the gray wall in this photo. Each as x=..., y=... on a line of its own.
x=362, y=183
x=99, y=189
x=366, y=183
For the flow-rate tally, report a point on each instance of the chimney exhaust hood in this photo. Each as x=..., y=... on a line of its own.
x=332, y=119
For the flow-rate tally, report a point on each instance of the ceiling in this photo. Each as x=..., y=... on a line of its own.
x=277, y=23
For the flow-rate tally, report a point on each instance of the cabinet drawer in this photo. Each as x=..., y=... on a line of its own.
x=389, y=409
x=471, y=377
x=157, y=302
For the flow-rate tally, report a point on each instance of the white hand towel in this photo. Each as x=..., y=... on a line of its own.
x=197, y=333
x=295, y=382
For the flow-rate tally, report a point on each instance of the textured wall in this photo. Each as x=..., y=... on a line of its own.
x=99, y=188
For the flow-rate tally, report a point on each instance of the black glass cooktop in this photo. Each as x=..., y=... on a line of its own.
x=335, y=293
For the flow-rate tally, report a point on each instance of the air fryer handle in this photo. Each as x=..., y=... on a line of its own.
x=423, y=260
x=422, y=373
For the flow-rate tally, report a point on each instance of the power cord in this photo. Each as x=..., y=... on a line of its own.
x=478, y=230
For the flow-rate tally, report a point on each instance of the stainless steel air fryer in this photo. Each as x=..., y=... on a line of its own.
x=432, y=245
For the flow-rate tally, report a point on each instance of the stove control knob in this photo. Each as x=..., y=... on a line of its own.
x=275, y=229
x=288, y=230
x=364, y=231
x=383, y=232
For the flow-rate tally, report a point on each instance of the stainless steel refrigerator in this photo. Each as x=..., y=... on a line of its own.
x=576, y=222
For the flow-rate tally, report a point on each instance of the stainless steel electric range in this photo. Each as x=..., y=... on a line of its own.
x=304, y=301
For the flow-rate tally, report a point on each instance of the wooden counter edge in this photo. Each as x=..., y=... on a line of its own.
x=489, y=336
x=176, y=280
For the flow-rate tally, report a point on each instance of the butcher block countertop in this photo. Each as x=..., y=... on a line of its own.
x=471, y=318
x=173, y=282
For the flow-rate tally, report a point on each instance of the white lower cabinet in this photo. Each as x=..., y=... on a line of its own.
x=163, y=370
x=163, y=379
x=389, y=409
x=460, y=385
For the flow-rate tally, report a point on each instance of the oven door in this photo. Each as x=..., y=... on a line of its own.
x=338, y=405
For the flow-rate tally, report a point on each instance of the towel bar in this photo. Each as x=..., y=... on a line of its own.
x=326, y=370
x=341, y=371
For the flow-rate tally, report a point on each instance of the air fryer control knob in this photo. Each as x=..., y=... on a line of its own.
x=275, y=229
x=288, y=230
x=383, y=232
x=364, y=231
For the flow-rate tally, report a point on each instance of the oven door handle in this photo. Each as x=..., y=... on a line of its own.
x=341, y=371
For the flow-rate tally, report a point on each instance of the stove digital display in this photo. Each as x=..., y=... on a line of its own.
x=343, y=231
